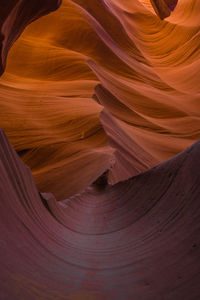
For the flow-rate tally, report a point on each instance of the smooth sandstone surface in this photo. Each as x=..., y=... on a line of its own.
x=143, y=70
x=138, y=239
x=15, y=16
x=97, y=99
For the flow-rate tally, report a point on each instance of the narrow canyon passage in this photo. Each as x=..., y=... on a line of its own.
x=99, y=150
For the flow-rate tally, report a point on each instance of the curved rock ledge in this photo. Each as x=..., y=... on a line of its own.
x=163, y=8
x=15, y=16
x=144, y=71
x=125, y=231
x=138, y=239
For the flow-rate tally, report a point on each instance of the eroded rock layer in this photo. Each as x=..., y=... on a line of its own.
x=93, y=96
x=143, y=70
x=15, y=15
x=138, y=239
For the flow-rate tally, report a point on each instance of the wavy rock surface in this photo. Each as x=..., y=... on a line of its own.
x=138, y=239
x=163, y=8
x=94, y=94
x=146, y=71
x=15, y=16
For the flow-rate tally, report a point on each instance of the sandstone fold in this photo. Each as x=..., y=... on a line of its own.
x=164, y=7
x=15, y=15
x=139, y=238
x=141, y=70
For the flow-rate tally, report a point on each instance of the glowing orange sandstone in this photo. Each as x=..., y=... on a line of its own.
x=147, y=72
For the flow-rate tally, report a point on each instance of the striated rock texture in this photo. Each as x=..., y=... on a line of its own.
x=138, y=239
x=143, y=70
x=96, y=99
x=15, y=15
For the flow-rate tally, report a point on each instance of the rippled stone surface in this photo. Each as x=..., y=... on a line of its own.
x=97, y=99
x=15, y=16
x=138, y=239
x=144, y=71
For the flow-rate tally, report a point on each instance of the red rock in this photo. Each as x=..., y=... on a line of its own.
x=163, y=8
x=15, y=16
x=137, y=239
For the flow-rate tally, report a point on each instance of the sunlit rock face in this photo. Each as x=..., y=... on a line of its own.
x=144, y=71
x=96, y=99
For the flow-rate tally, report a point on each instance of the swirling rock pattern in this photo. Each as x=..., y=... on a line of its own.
x=143, y=70
x=93, y=96
x=15, y=16
x=138, y=239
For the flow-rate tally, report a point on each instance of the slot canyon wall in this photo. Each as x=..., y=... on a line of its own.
x=99, y=150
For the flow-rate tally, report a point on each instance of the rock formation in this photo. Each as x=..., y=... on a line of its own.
x=99, y=150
